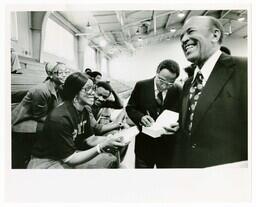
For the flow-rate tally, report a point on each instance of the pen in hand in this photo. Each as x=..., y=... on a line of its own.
x=147, y=120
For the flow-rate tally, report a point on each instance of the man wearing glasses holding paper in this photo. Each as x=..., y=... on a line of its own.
x=148, y=99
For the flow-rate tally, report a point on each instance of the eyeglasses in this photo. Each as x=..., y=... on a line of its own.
x=88, y=89
x=164, y=81
x=62, y=72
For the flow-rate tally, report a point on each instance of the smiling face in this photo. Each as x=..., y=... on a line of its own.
x=86, y=94
x=60, y=74
x=101, y=95
x=198, y=40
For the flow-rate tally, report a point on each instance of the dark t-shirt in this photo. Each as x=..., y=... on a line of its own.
x=65, y=131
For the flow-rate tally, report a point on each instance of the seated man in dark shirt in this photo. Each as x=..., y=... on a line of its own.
x=100, y=116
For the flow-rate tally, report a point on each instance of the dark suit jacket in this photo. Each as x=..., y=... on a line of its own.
x=219, y=132
x=142, y=100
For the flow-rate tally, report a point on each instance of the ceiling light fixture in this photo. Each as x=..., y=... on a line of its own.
x=103, y=43
x=241, y=19
x=181, y=14
x=88, y=26
x=172, y=30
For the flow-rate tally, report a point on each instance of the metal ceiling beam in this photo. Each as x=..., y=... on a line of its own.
x=168, y=21
x=132, y=13
x=188, y=15
x=125, y=33
x=66, y=22
x=104, y=15
x=225, y=14
x=154, y=20
x=92, y=43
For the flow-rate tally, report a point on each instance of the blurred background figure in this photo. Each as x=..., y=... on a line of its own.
x=95, y=76
x=190, y=70
x=225, y=50
x=15, y=62
x=88, y=72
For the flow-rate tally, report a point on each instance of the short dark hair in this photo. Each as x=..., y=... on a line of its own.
x=87, y=70
x=73, y=84
x=95, y=73
x=104, y=85
x=170, y=65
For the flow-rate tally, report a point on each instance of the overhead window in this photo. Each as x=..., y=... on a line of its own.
x=104, y=65
x=14, y=26
x=58, y=41
x=90, y=58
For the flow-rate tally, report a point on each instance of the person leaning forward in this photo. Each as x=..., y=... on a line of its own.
x=148, y=99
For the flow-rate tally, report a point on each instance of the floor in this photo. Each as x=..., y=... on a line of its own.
x=129, y=159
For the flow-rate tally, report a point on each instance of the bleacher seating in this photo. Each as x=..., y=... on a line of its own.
x=33, y=73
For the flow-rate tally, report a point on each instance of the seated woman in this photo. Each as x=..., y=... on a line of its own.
x=68, y=140
x=29, y=115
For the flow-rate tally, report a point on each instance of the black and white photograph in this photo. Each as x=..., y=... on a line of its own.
x=140, y=103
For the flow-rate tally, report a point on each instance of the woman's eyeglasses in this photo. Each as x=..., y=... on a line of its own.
x=61, y=73
x=89, y=89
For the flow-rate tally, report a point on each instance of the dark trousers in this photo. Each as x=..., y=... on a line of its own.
x=140, y=163
x=154, y=152
x=22, y=144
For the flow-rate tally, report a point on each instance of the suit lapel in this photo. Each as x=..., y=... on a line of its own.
x=150, y=97
x=220, y=75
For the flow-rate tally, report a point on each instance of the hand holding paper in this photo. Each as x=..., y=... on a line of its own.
x=172, y=129
x=127, y=134
x=166, y=123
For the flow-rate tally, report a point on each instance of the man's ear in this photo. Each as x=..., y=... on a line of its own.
x=216, y=35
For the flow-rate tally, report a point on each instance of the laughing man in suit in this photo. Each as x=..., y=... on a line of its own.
x=148, y=99
x=213, y=119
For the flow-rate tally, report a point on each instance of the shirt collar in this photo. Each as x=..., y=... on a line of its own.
x=157, y=91
x=208, y=66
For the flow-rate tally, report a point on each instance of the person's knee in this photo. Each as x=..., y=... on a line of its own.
x=109, y=160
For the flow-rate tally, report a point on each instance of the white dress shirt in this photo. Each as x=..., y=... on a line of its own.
x=157, y=91
x=208, y=67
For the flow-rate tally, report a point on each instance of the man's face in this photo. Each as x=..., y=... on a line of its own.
x=165, y=79
x=60, y=74
x=197, y=40
x=97, y=78
x=101, y=96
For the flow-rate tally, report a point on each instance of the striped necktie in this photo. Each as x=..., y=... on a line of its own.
x=194, y=94
x=159, y=98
